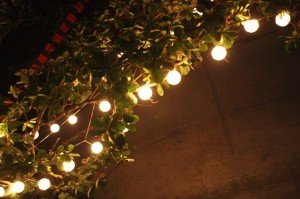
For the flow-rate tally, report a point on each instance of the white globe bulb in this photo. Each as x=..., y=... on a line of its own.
x=44, y=184
x=283, y=18
x=2, y=192
x=218, y=53
x=36, y=135
x=145, y=92
x=173, y=77
x=54, y=128
x=251, y=25
x=18, y=187
x=69, y=166
x=97, y=147
x=104, y=106
x=72, y=119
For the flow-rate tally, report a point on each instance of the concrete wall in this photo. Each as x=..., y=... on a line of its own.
x=229, y=130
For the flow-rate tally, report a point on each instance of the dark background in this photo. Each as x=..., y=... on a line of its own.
x=229, y=130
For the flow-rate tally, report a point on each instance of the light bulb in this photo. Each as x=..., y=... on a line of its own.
x=54, y=128
x=251, y=25
x=283, y=18
x=97, y=147
x=104, y=106
x=145, y=92
x=173, y=77
x=120, y=54
x=36, y=135
x=125, y=130
x=69, y=166
x=72, y=119
x=44, y=184
x=18, y=187
x=2, y=191
x=218, y=53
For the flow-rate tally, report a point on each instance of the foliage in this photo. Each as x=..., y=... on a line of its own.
x=109, y=55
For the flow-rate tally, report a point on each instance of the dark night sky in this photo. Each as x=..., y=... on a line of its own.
x=23, y=44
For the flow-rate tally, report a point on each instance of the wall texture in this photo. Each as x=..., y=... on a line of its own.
x=229, y=130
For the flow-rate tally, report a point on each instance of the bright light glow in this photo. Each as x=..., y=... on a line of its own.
x=120, y=54
x=44, y=184
x=125, y=130
x=251, y=25
x=104, y=106
x=283, y=18
x=17, y=187
x=218, y=53
x=145, y=92
x=173, y=77
x=54, y=128
x=72, y=119
x=2, y=191
x=69, y=166
x=36, y=135
x=97, y=147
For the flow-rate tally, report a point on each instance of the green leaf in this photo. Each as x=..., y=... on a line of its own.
x=41, y=154
x=290, y=47
x=157, y=75
x=128, y=118
x=159, y=89
x=179, y=32
x=70, y=147
x=132, y=98
x=120, y=141
x=60, y=149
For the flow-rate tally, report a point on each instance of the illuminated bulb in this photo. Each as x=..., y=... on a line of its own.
x=120, y=54
x=97, y=147
x=251, y=25
x=104, y=106
x=36, y=135
x=125, y=130
x=218, y=53
x=18, y=187
x=54, y=128
x=69, y=166
x=72, y=119
x=2, y=192
x=173, y=77
x=283, y=18
x=145, y=92
x=44, y=184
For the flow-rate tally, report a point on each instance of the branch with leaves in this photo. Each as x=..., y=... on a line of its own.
x=132, y=48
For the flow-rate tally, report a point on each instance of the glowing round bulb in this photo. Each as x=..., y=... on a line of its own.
x=218, y=53
x=54, y=128
x=125, y=130
x=251, y=25
x=173, y=77
x=36, y=135
x=104, y=106
x=145, y=92
x=2, y=192
x=72, y=119
x=97, y=147
x=44, y=184
x=69, y=166
x=18, y=187
x=283, y=18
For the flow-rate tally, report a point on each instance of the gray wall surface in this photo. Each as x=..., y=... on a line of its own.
x=229, y=130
